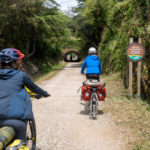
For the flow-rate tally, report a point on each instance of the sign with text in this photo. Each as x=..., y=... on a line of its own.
x=135, y=52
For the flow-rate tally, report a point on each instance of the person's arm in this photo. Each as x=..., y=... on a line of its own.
x=33, y=87
x=100, y=67
x=83, y=67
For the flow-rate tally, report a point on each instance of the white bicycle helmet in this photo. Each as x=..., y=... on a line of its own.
x=92, y=50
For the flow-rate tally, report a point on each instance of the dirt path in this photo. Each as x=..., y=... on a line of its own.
x=61, y=122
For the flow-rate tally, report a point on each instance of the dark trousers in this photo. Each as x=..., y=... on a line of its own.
x=19, y=126
x=93, y=76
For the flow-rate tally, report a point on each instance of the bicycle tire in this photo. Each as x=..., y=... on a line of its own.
x=93, y=109
x=31, y=135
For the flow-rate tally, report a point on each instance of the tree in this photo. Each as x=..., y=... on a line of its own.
x=36, y=27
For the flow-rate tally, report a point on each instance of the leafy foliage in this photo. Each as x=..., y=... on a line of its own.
x=33, y=26
x=127, y=19
x=108, y=25
x=89, y=22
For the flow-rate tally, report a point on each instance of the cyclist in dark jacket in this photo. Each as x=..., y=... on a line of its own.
x=15, y=103
x=93, y=65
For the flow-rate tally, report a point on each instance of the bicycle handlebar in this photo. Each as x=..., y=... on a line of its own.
x=36, y=96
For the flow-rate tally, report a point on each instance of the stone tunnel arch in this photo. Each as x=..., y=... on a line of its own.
x=71, y=55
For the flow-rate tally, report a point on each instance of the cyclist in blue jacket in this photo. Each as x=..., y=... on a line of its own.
x=92, y=64
x=15, y=103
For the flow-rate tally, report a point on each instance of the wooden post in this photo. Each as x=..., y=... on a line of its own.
x=139, y=74
x=130, y=73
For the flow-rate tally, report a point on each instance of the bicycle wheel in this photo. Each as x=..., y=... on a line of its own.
x=31, y=135
x=93, y=106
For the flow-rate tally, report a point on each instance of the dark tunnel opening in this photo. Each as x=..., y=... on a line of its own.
x=72, y=56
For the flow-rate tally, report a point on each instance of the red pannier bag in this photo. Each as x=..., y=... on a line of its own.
x=101, y=93
x=85, y=93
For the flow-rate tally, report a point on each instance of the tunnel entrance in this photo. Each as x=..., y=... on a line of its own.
x=72, y=56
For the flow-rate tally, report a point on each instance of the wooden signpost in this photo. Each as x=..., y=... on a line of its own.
x=135, y=53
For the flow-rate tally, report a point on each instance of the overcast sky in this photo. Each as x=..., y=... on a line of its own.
x=66, y=4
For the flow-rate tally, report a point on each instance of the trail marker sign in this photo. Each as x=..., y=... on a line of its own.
x=135, y=52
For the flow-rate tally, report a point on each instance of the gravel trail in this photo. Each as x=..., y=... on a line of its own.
x=61, y=122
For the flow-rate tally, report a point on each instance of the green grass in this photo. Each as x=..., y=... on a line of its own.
x=132, y=114
x=48, y=73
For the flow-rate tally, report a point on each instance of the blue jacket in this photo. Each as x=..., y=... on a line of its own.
x=93, y=65
x=15, y=102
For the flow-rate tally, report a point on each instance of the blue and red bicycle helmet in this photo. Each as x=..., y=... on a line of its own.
x=9, y=55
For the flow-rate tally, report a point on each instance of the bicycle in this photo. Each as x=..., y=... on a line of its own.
x=92, y=92
x=31, y=130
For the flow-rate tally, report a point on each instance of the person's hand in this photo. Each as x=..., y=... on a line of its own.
x=47, y=95
x=82, y=74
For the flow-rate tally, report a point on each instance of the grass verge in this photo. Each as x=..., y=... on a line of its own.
x=131, y=114
x=50, y=72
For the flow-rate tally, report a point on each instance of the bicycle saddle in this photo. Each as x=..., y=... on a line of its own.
x=92, y=82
